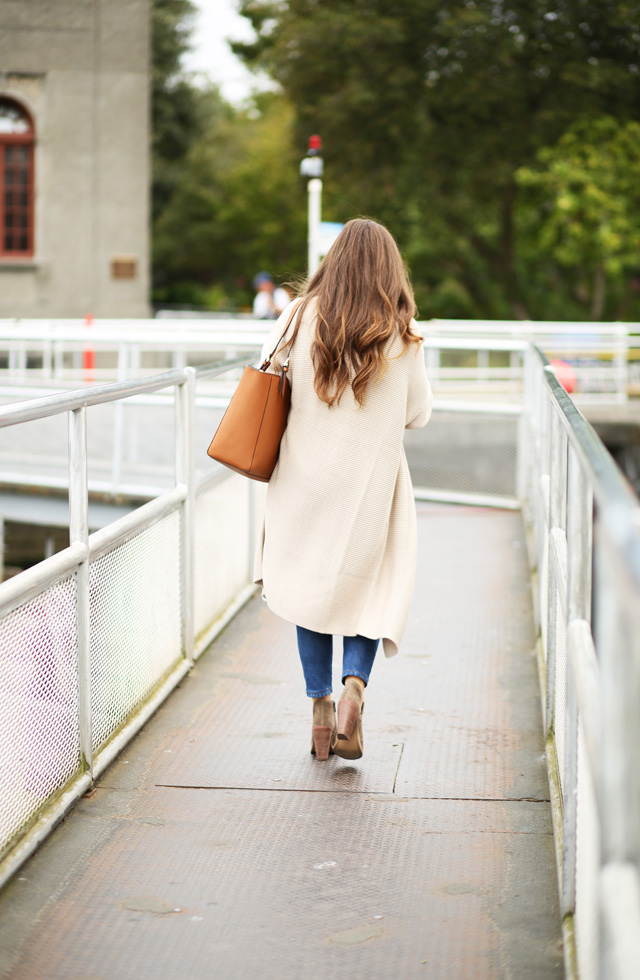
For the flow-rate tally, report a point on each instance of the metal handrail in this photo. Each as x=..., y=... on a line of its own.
x=187, y=499
x=609, y=484
x=584, y=523
x=605, y=356
x=564, y=470
x=46, y=327
x=69, y=401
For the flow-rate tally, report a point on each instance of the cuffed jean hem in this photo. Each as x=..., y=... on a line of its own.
x=316, y=652
x=357, y=673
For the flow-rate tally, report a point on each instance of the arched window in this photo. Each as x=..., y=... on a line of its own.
x=16, y=181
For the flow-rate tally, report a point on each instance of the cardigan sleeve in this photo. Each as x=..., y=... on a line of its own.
x=419, y=394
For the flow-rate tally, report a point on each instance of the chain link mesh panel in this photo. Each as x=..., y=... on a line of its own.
x=221, y=548
x=465, y=452
x=543, y=586
x=587, y=868
x=135, y=622
x=39, y=740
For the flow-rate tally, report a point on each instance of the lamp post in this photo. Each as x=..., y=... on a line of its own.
x=312, y=167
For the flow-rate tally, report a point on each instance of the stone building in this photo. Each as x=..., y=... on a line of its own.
x=74, y=158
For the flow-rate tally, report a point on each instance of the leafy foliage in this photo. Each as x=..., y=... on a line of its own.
x=498, y=139
x=588, y=191
x=428, y=113
x=177, y=113
x=227, y=198
x=237, y=208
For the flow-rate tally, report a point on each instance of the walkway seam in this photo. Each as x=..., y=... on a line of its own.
x=395, y=778
x=358, y=792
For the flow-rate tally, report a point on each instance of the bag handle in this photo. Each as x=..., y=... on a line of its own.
x=267, y=361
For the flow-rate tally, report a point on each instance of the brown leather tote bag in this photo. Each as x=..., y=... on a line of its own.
x=248, y=437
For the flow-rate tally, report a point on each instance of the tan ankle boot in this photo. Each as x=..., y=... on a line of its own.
x=324, y=731
x=350, y=744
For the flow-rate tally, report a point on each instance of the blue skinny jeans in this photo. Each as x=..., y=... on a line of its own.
x=316, y=655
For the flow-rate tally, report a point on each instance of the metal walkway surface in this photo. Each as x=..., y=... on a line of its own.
x=217, y=846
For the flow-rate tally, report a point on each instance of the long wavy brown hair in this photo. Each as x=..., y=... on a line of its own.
x=364, y=298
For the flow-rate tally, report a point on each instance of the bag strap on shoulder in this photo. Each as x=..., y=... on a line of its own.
x=267, y=361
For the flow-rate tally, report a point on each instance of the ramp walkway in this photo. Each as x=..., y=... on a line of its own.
x=217, y=846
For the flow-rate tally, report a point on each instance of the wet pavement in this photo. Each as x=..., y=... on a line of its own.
x=217, y=846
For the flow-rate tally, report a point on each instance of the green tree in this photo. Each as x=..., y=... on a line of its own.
x=429, y=111
x=587, y=189
x=227, y=200
x=178, y=109
x=238, y=207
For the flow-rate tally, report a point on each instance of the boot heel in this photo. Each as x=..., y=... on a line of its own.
x=348, y=715
x=322, y=742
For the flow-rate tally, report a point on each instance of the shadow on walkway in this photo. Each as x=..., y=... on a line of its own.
x=217, y=846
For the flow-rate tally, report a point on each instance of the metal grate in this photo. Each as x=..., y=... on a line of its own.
x=587, y=868
x=465, y=452
x=39, y=742
x=221, y=548
x=135, y=622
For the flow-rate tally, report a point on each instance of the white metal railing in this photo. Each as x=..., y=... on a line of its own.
x=605, y=356
x=585, y=551
x=126, y=457
x=93, y=638
x=584, y=524
x=468, y=453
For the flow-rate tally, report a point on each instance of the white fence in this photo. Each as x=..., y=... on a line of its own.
x=468, y=449
x=605, y=356
x=93, y=638
x=584, y=524
x=87, y=649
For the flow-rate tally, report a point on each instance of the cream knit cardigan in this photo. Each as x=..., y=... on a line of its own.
x=337, y=552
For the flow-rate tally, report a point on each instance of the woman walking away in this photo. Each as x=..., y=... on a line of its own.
x=338, y=551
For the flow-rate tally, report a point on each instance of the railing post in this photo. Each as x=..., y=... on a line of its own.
x=557, y=520
x=579, y=541
x=118, y=422
x=47, y=360
x=622, y=361
x=185, y=473
x=252, y=529
x=544, y=526
x=535, y=473
x=579, y=561
x=79, y=531
x=432, y=359
x=58, y=359
x=523, y=461
x=617, y=627
x=482, y=366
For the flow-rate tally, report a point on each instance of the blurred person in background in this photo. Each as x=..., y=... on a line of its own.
x=270, y=300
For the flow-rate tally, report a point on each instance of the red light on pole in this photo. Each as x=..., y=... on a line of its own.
x=312, y=168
